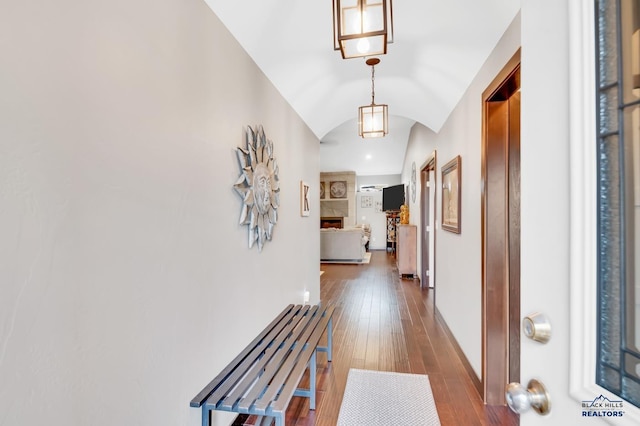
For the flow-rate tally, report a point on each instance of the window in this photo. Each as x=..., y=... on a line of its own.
x=618, y=98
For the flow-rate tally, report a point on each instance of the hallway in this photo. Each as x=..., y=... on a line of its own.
x=384, y=323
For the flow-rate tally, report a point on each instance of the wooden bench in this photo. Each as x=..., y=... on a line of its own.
x=265, y=376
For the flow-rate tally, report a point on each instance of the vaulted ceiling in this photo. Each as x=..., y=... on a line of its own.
x=438, y=48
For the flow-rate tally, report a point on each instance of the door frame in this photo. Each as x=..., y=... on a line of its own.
x=502, y=322
x=428, y=211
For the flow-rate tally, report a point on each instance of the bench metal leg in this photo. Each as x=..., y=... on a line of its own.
x=329, y=348
x=206, y=416
x=312, y=381
x=329, y=339
x=280, y=419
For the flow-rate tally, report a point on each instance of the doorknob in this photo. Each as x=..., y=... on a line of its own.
x=535, y=396
x=537, y=327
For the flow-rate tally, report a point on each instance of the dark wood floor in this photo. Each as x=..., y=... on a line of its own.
x=384, y=323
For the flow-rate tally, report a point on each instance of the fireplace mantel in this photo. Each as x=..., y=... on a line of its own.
x=334, y=208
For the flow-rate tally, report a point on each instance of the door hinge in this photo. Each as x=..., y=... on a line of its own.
x=426, y=272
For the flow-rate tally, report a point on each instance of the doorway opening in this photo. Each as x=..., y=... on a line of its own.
x=427, y=221
x=501, y=233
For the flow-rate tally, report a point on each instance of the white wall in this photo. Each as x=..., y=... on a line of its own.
x=126, y=281
x=458, y=277
x=376, y=218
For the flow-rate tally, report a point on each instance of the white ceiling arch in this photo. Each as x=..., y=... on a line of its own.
x=438, y=48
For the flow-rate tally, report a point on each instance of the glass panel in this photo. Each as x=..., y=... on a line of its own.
x=610, y=256
x=609, y=110
x=351, y=22
x=610, y=379
x=632, y=180
x=632, y=365
x=607, y=55
x=631, y=391
x=618, y=368
x=374, y=16
x=366, y=46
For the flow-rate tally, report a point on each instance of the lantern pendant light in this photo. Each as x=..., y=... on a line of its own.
x=373, y=120
x=362, y=27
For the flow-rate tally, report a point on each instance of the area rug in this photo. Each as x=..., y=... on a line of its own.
x=384, y=398
x=365, y=260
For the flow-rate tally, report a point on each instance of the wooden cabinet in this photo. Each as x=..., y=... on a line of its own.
x=406, y=250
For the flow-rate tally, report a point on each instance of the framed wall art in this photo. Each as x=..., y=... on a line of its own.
x=451, y=195
x=366, y=201
x=322, y=191
x=305, y=209
x=338, y=189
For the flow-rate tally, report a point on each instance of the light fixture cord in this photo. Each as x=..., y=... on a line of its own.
x=373, y=85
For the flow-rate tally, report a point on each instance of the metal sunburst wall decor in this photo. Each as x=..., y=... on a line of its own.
x=259, y=186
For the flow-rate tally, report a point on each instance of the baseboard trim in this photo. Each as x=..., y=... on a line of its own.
x=477, y=383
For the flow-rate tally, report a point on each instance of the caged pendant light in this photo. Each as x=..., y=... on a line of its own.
x=373, y=120
x=362, y=27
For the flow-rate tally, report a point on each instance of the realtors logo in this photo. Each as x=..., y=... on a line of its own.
x=602, y=407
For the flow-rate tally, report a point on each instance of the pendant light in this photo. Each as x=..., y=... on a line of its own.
x=362, y=27
x=373, y=120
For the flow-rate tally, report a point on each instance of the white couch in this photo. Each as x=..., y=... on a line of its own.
x=342, y=244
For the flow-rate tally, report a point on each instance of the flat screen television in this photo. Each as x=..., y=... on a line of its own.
x=392, y=197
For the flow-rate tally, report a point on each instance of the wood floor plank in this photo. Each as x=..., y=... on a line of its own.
x=384, y=323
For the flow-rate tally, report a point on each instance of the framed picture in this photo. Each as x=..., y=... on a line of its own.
x=366, y=201
x=451, y=191
x=305, y=209
x=322, y=190
x=378, y=207
x=338, y=189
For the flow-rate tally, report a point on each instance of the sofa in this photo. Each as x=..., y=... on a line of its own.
x=343, y=244
x=367, y=233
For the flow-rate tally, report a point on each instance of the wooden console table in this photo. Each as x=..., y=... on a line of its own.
x=406, y=250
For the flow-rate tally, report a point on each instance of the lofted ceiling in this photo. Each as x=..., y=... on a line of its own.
x=438, y=48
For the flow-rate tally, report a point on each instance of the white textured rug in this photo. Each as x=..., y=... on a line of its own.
x=387, y=399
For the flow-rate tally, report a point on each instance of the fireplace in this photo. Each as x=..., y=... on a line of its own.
x=331, y=222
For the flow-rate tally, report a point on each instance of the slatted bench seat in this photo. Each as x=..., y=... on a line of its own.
x=264, y=377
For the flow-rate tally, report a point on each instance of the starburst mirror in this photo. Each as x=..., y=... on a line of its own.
x=259, y=186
